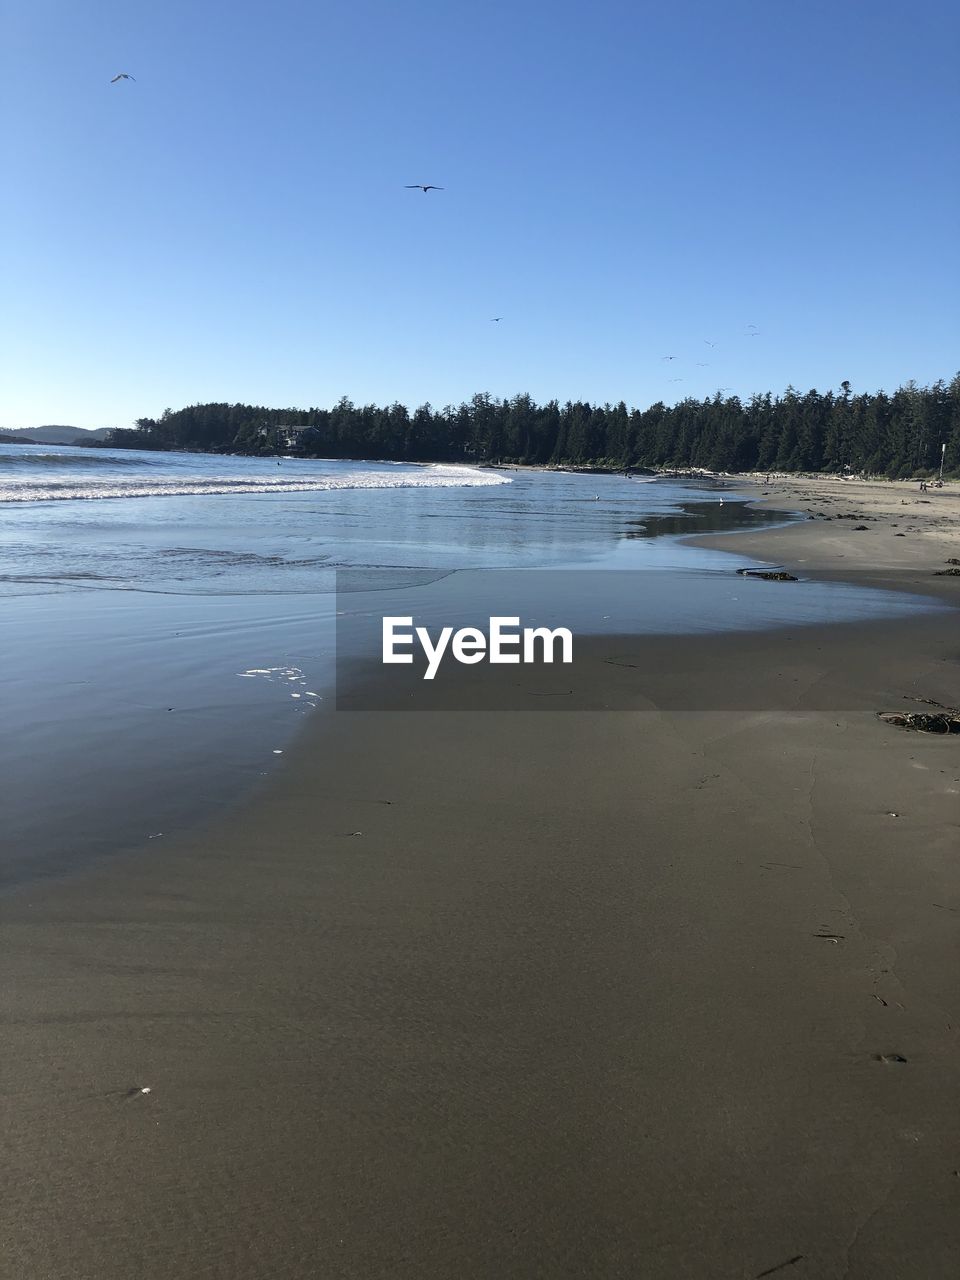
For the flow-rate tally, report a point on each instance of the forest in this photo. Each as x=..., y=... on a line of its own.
x=896, y=434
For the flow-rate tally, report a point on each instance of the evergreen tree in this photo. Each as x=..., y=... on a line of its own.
x=902, y=434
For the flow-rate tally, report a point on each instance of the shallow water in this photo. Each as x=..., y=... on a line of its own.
x=166, y=629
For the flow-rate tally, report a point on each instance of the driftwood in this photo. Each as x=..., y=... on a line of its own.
x=943, y=720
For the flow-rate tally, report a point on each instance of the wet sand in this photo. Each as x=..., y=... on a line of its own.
x=526, y=993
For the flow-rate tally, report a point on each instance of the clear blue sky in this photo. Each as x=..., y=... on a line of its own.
x=624, y=180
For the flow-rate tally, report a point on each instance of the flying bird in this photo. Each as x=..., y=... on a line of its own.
x=418, y=186
x=676, y=379
x=709, y=343
x=703, y=364
x=668, y=357
x=495, y=319
x=122, y=76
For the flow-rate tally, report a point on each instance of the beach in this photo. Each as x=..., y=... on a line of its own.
x=909, y=534
x=662, y=990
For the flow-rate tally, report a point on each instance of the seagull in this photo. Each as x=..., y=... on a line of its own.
x=676, y=379
x=122, y=76
x=418, y=186
x=703, y=364
x=495, y=319
x=709, y=343
x=668, y=357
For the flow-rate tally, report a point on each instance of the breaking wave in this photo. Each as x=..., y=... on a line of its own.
x=41, y=488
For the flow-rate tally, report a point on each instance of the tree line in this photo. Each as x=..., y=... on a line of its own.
x=897, y=434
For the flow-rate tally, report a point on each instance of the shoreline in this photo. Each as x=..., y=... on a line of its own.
x=909, y=538
x=597, y=993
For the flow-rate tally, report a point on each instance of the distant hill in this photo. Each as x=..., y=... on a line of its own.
x=53, y=435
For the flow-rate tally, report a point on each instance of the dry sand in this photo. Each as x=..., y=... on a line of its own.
x=908, y=535
x=528, y=994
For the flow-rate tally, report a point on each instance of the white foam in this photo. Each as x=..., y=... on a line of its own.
x=44, y=489
x=270, y=673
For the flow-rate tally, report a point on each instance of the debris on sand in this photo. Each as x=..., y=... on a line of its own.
x=945, y=721
x=946, y=573
x=787, y=1262
x=768, y=575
